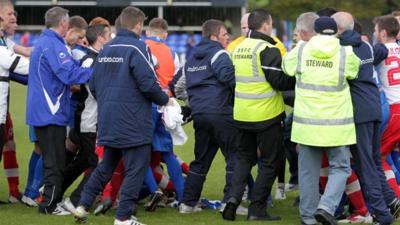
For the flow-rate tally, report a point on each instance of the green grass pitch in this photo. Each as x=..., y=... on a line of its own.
x=19, y=214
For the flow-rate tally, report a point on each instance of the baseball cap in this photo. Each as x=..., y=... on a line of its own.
x=325, y=25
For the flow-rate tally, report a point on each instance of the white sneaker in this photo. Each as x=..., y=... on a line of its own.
x=60, y=211
x=280, y=192
x=188, y=209
x=132, y=221
x=291, y=187
x=241, y=210
x=29, y=202
x=41, y=189
x=356, y=218
x=13, y=199
x=67, y=205
x=174, y=204
x=81, y=214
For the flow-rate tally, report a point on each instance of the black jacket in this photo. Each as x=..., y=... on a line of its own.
x=271, y=58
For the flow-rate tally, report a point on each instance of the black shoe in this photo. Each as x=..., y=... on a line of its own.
x=154, y=200
x=267, y=217
x=325, y=218
x=395, y=208
x=341, y=216
x=229, y=212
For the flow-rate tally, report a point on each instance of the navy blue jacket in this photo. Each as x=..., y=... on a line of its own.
x=364, y=90
x=210, y=79
x=124, y=84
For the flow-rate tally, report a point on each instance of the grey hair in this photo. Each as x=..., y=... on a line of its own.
x=306, y=21
x=54, y=16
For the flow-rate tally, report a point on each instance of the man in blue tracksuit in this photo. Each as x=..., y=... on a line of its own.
x=124, y=84
x=367, y=117
x=51, y=71
x=210, y=80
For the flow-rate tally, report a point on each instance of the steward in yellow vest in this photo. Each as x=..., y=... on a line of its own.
x=323, y=102
x=322, y=118
x=258, y=112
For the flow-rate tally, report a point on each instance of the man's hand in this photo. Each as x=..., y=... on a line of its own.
x=171, y=102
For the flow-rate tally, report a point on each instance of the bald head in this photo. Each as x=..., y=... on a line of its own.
x=244, y=25
x=344, y=21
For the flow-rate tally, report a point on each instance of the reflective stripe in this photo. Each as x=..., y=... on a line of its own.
x=299, y=55
x=342, y=67
x=271, y=68
x=215, y=57
x=317, y=87
x=326, y=122
x=255, y=96
x=246, y=79
x=254, y=60
x=256, y=75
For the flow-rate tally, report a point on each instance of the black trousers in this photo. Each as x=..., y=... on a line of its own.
x=85, y=159
x=211, y=133
x=51, y=139
x=292, y=158
x=367, y=157
x=270, y=143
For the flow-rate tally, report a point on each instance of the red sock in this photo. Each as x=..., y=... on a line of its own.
x=116, y=180
x=184, y=166
x=390, y=177
x=99, y=152
x=155, y=159
x=11, y=169
x=112, y=188
x=324, y=172
x=353, y=191
x=106, y=192
x=162, y=179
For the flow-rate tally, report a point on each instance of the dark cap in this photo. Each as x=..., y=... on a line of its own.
x=325, y=25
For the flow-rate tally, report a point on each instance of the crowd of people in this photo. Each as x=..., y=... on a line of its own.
x=103, y=104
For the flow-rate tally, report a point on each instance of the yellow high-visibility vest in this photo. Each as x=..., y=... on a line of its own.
x=323, y=111
x=255, y=99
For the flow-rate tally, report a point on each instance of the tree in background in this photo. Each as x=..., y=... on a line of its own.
x=290, y=9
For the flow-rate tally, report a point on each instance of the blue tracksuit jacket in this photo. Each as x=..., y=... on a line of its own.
x=51, y=71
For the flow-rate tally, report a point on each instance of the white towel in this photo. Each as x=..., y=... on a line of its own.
x=172, y=118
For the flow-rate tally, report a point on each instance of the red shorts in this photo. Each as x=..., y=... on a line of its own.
x=391, y=135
